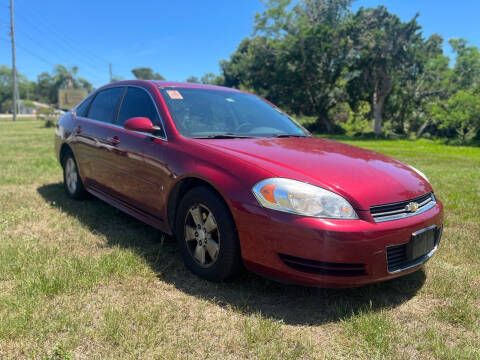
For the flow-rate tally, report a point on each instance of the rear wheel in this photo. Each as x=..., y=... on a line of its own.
x=206, y=235
x=71, y=178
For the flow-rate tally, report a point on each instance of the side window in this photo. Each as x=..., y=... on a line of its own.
x=83, y=107
x=137, y=103
x=104, y=106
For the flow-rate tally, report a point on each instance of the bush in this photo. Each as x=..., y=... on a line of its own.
x=48, y=115
x=49, y=123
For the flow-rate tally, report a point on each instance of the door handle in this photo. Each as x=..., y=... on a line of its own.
x=114, y=140
x=78, y=129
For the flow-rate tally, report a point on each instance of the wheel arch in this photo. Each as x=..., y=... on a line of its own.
x=180, y=189
x=64, y=149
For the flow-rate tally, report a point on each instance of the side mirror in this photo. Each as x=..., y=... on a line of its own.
x=142, y=124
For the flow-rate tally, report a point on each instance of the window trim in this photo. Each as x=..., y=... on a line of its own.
x=120, y=103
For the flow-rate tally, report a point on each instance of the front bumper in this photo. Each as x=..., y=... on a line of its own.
x=349, y=252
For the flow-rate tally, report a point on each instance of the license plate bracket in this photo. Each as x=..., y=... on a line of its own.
x=421, y=243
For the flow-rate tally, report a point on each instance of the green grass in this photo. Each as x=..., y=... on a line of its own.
x=83, y=280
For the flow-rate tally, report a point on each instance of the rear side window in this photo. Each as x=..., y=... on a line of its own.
x=83, y=107
x=104, y=106
x=138, y=103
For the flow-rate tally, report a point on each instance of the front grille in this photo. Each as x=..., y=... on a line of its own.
x=323, y=268
x=400, y=210
x=397, y=255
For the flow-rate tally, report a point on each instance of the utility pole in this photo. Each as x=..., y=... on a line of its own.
x=14, y=69
x=111, y=72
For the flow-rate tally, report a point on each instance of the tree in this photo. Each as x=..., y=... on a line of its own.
x=5, y=88
x=212, y=79
x=296, y=58
x=146, y=73
x=461, y=113
x=467, y=64
x=441, y=84
x=382, y=44
x=27, y=89
x=46, y=91
x=62, y=77
x=193, y=79
x=208, y=78
x=68, y=78
x=422, y=79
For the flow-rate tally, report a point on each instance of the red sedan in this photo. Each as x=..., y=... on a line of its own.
x=238, y=182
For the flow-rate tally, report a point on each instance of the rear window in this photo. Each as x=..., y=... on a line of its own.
x=82, y=109
x=104, y=106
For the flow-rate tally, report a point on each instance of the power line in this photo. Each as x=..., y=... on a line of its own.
x=66, y=55
x=62, y=50
x=49, y=29
x=35, y=55
x=28, y=51
x=55, y=46
x=55, y=52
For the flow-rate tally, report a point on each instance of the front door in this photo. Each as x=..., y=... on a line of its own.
x=135, y=180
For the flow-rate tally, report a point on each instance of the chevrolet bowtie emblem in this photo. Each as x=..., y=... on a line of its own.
x=412, y=207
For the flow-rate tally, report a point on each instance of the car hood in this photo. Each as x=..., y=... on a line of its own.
x=365, y=178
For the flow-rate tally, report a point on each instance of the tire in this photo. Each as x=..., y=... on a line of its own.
x=71, y=178
x=204, y=221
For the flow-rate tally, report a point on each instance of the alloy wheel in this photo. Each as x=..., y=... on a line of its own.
x=202, y=236
x=71, y=176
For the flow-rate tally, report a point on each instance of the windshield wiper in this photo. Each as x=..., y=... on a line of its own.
x=224, y=136
x=288, y=135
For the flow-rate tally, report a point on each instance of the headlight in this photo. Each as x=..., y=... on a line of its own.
x=419, y=172
x=303, y=199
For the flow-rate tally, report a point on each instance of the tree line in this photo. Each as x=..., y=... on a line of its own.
x=45, y=89
x=358, y=71
x=363, y=71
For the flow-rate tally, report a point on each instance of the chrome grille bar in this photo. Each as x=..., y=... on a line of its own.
x=395, y=211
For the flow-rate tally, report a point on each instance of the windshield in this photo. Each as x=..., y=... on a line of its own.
x=202, y=113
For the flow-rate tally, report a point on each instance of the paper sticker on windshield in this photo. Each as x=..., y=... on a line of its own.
x=174, y=94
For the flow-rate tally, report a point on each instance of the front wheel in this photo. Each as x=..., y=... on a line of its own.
x=71, y=178
x=207, y=236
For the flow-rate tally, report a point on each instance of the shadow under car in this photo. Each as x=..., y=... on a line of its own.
x=247, y=293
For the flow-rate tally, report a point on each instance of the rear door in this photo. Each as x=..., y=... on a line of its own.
x=94, y=147
x=81, y=143
x=137, y=181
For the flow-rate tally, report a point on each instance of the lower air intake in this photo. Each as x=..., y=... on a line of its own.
x=323, y=268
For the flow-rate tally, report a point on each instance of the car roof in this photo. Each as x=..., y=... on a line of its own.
x=165, y=84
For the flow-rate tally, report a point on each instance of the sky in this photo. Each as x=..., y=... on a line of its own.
x=175, y=38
